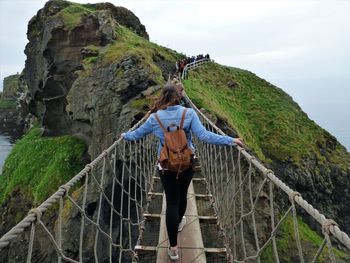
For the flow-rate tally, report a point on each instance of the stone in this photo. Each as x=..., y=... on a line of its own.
x=232, y=84
x=150, y=90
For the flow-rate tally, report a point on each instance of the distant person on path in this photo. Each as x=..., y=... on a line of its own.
x=175, y=185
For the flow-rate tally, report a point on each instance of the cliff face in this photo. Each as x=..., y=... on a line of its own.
x=8, y=111
x=9, y=122
x=10, y=86
x=14, y=118
x=74, y=89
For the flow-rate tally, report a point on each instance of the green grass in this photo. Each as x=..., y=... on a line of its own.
x=144, y=104
x=90, y=60
x=127, y=43
x=7, y=104
x=37, y=166
x=141, y=104
x=130, y=44
x=310, y=242
x=268, y=119
x=73, y=13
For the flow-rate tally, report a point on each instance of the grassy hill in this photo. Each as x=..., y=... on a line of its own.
x=276, y=130
x=268, y=119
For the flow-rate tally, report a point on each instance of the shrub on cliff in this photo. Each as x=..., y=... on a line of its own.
x=37, y=166
x=7, y=104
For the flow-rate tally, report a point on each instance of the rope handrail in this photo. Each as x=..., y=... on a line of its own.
x=135, y=169
x=319, y=217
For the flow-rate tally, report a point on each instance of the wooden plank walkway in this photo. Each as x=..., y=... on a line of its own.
x=190, y=241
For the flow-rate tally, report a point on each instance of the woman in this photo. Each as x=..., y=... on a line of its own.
x=170, y=112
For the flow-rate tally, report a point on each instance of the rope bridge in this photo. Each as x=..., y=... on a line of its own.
x=250, y=202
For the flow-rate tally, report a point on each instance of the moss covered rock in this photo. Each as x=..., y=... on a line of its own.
x=10, y=87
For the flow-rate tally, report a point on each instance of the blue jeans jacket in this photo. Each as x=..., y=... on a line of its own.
x=172, y=115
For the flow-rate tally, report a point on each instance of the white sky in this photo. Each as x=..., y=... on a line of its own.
x=301, y=46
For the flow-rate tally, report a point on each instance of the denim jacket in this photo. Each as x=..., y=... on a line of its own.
x=172, y=115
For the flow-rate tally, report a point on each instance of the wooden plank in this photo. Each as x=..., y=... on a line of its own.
x=152, y=215
x=154, y=194
x=163, y=242
x=190, y=241
x=199, y=179
x=203, y=196
x=147, y=248
x=201, y=218
x=215, y=250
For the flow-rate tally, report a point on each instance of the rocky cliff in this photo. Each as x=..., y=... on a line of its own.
x=10, y=85
x=79, y=73
x=14, y=118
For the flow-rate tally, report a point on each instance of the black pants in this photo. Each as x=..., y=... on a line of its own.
x=176, y=200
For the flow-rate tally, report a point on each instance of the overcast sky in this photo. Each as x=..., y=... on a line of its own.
x=301, y=46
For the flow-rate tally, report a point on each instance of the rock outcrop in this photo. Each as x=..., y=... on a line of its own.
x=67, y=96
x=124, y=17
x=9, y=123
x=325, y=185
x=10, y=87
x=14, y=115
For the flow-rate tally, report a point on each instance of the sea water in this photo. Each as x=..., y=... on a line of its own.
x=333, y=117
x=325, y=100
x=5, y=148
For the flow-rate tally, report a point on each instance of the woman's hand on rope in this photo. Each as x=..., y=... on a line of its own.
x=122, y=135
x=239, y=142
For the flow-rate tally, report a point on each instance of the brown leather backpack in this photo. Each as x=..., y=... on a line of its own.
x=175, y=155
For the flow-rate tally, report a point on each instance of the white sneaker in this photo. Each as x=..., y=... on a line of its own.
x=173, y=254
x=182, y=224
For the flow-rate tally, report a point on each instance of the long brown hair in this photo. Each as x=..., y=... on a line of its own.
x=170, y=96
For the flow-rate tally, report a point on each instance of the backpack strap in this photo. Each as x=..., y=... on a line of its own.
x=159, y=122
x=183, y=118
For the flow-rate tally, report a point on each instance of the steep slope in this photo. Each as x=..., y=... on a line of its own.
x=11, y=115
x=302, y=154
x=10, y=86
x=81, y=58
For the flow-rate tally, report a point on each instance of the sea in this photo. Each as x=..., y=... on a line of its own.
x=333, y=117
x=6, y=145
x=326, y=101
